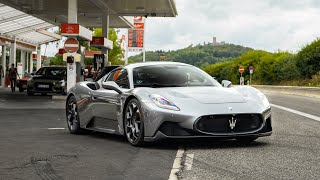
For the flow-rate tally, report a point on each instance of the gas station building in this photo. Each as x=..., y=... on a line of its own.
x=24, y=24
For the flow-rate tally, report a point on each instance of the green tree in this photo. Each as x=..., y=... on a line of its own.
x=200, y=55
x=286, y=69
x=308, y=59
x=56, y=60
x=114, y=55
x=270, y=68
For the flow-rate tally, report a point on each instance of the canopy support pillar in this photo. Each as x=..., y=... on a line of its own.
x=13, y=53
x=39, y=57
x=105, y=33
x=31, y=63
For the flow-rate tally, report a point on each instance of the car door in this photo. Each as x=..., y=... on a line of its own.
x=107, y=102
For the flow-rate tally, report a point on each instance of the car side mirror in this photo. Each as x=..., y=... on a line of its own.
x=226, y=84
x=111, y=85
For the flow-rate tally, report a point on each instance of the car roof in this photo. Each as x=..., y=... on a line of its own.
x=54, y=67
x=114, y=66
x=151, y=63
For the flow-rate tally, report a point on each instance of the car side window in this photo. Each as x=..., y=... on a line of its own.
x=122, y=79
x=111, y=75
x=119, y=76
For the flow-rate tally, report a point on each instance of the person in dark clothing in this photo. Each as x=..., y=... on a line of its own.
x=1, y=74
x=13, y=77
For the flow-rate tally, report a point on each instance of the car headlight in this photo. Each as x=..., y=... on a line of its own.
x=60, y=83
x=163, y=102
x=264, y=99
x=63, y=82
x=30, y=81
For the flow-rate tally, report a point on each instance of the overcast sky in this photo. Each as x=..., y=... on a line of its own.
x=266, y=24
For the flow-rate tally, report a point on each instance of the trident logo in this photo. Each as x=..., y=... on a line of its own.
x=232, y=123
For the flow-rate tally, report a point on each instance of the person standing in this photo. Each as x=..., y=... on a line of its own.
x=1, y=74
x=13, y=77
x=7, y=77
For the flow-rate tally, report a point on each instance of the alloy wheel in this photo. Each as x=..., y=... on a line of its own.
x=133, y=122
x=72, y=114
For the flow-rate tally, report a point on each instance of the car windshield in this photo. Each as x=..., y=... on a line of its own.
x=51, y=71
x=171, y=76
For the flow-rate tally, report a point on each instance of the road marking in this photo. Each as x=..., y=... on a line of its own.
x=188, y=162
x=56, y=128
x=316, y=118
x=176, y=165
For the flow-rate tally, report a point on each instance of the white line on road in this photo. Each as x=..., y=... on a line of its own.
x=189, y=161
x=56, y=128
x=297, y=112
x=176, y=165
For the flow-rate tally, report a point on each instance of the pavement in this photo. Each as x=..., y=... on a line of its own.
x=18, y=100
x=35, y=144
x=292, y=152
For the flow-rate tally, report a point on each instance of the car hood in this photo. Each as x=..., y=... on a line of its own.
x=203, y=95
x=41, y=77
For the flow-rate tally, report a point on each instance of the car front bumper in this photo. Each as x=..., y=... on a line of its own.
x=161, y=123
x=50, y=89
x=160, y=136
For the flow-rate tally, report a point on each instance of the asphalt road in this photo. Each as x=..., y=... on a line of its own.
x=292, y=152
x=29, y=150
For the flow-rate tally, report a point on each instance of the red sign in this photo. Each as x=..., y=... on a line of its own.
x=70, y=29
x=90, y=54
x=137, y=18
x=136, y=35
x=34, y=56
x=138, y=25
x=62, y=51
x=97, y=41
x=71, y=45
x=135, y=38
x=241, y=69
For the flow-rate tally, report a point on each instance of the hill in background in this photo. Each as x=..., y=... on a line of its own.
x=200, y=55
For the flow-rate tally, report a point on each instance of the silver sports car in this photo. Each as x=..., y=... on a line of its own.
x=155, y=100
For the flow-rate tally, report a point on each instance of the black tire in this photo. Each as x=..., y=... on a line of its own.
x=21, y=89
x=30, y=93
x=246, y=140
x=72, y=116
x=134, y=123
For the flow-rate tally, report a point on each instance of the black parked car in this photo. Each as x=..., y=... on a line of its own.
x=48, y=80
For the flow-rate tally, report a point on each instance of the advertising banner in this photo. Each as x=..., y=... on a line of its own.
x=136, y=35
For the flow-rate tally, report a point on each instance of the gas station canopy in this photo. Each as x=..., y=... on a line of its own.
x=24, y=27
x=90, y=11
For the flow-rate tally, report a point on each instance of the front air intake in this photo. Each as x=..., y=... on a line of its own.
x=222, y=124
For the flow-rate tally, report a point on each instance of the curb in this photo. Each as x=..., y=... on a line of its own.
x=59, y=97
x=293, y=90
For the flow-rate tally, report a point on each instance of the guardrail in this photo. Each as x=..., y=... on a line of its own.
x=296, y=90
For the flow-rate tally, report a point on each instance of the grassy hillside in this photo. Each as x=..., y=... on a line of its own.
x=280, y=68
x=200, y=55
